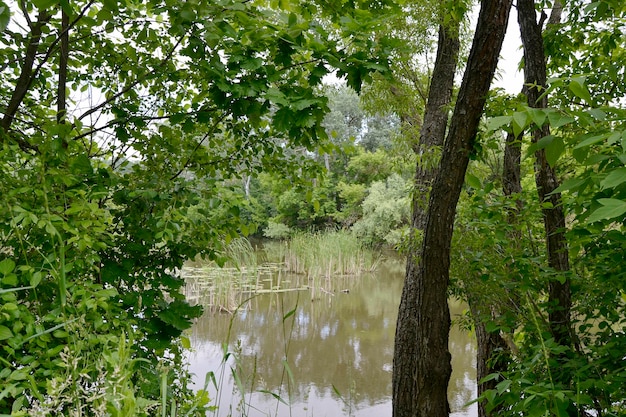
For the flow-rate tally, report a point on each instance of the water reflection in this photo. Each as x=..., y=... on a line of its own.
x=339, y=351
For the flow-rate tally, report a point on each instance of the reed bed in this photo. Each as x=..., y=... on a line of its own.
x=328, y=254
x=309, y=261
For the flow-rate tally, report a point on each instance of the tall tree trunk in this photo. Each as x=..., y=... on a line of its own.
x=432, y=134
x=25, y=80
x=490, y=352
x=63, y=59
x=421, y=358
x=545, y=177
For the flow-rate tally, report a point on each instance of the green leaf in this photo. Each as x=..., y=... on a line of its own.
x=597, y=114
x=554, y=150
x=276, y=96
x=289, y=373
x=44, y=4
x=473, y=181
x=289, y=314
x=503, y=386
x=612, y=208
x=5, y=16
x=7, y=266
x=591, y=141
x=538, y=116
x=10, y=280
x=496, y=123
x=615, y=178
x=490, y=395
x=303, y=103
x=5, y=333
x=490, y=377
x=337, y=391
x=177, y=118
x=558, y=119
x=614, y=138
x=273, y=394
x=111, y=5
x=578, y=87
x=185, y=342
x=60, y=334
x=542, y=143
x=81, y=164
x=520, y=122
x=571, y=184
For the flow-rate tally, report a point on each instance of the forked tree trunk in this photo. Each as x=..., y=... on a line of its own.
x=432, y=133
x=421, y=358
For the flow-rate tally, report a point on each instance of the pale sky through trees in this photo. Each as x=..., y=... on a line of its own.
x=508, y=75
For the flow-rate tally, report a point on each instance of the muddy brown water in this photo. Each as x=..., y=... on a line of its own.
x=330, y=356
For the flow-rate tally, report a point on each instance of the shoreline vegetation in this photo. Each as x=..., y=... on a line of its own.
x=313, y=261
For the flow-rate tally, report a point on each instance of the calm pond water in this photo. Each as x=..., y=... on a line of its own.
x=338, y=350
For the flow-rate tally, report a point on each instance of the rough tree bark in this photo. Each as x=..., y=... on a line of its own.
x=421, y=359
x=545, y=177
x=63, y=58
x=432, y=133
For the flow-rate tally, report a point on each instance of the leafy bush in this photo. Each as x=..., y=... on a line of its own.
x=275, y=230
x=89, y=254
x=367, y=167
x=351, y=197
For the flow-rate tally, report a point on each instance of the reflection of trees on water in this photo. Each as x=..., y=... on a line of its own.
x=345, y=340
x=341, y=340
x=462, y=388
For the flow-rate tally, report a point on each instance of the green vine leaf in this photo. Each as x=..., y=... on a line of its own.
x=5, y=333
x=7, y=266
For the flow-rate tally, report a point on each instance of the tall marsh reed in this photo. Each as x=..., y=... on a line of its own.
x=327, y=254
x=223, y=288
x=306, y=261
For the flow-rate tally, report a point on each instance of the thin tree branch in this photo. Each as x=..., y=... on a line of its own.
x=25, y=13
x=26, y=75
x=127, y=119
x=135, y=82
x=210, y=132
